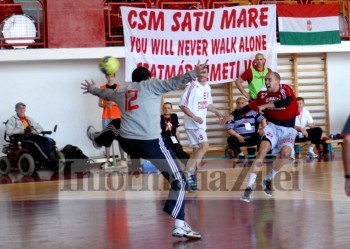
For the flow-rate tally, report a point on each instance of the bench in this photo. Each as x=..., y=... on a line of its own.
x=244, y=149
x=330, y=143
x=298, y=146
x=228, y=153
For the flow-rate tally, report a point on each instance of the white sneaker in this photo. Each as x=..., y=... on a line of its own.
x=311, y=154
x=186, y=231
x=91, y=134
x=123, y=164
x=107, y=165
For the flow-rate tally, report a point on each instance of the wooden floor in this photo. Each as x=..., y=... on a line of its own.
x=101, y=209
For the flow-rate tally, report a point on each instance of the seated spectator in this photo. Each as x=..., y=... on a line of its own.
x=169, y=123
x=244, y=130
x=23, y=127
x=312, y=133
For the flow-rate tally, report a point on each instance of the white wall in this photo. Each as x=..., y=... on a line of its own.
x=339, y=89
x=51, y=90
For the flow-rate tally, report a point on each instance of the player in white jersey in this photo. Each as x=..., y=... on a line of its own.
x=194, y=102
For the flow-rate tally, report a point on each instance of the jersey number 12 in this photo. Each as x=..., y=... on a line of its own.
x=130, y=96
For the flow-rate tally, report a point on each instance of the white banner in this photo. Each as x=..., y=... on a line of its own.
x=170, y=42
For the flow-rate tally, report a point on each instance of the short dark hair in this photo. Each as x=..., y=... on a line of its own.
x=301, y=98
x=168, y=103
x=140, y=73
x=19, y=104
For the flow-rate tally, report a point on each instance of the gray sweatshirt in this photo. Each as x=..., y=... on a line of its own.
x=140, y=104
x=15, y=126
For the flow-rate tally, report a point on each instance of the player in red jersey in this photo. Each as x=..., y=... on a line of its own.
x=279, y=105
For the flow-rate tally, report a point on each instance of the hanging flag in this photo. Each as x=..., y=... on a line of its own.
x=308, y=24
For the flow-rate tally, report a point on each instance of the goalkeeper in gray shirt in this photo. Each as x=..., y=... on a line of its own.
x=140, y=131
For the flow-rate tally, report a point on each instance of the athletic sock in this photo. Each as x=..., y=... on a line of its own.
x=191, y=171
x=271, y=174
x=311, y=149
x=179, y=223
x=252, y=179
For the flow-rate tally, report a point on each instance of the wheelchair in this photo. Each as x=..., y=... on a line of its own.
x=25, y=156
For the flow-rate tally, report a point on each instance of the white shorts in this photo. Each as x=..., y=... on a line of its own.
x=196, y=137
x=279, y=137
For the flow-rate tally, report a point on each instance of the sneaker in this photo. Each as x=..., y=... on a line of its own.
x=186, y=231
x=192, y=183
x=91, y=134
x=241, y=155
x=247, y=193
x=266, y=185
x=241, y=158
x=123, y=164
x=311, y=154
x=108, y=165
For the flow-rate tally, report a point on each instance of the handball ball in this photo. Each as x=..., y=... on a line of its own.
x=109, y=65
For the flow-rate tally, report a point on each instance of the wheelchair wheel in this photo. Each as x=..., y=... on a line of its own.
x=5, y=165
x=61, y=162
x=26, y=164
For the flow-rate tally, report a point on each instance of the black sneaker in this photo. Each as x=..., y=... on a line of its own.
x=247, y=193
x=266, y=185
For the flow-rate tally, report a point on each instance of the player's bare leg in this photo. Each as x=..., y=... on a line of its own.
x=258, y=162
x=193, y=162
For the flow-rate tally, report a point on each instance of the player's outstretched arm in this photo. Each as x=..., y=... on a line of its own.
x=87, y=86
x=226, y=119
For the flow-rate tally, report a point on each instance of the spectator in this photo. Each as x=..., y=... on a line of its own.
x=313, y=133
x=244, y=130
x=255, y=76
x=23, y=126
x=110, y=112
x=169, y=123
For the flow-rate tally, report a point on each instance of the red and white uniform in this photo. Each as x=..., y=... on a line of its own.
x=277, y=114
x=281, y=121
x=196, y=97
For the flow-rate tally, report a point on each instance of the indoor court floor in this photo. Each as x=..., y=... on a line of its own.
x=110, y=209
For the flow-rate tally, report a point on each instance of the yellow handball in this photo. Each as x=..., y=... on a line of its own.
x=109, y=65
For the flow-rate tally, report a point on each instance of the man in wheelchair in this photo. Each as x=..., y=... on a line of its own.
x=22, y=128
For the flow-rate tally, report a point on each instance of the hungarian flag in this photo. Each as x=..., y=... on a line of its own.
x=308, y=24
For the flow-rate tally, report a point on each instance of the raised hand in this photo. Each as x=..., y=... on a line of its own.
x=87, y=86
x=201, y=69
